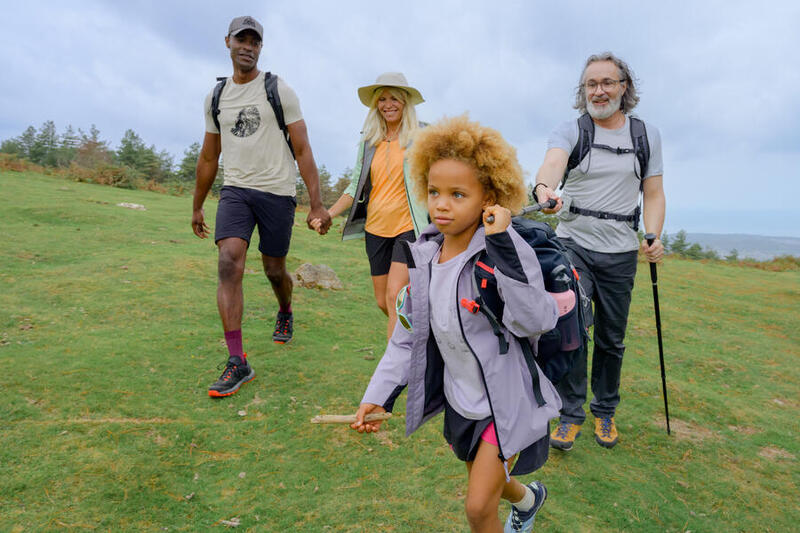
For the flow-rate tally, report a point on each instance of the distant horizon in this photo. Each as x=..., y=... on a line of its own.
x=783, y=223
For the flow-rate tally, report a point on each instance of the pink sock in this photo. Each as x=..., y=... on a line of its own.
x=287, y=309
x=234, y=341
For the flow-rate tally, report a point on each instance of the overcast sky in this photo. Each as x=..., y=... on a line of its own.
x=719, y=79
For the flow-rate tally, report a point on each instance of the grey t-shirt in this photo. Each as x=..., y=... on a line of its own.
x=604, y=181
x=463, y=385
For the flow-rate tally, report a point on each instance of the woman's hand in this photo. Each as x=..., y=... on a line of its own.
x=363, y=410
x=502, y=218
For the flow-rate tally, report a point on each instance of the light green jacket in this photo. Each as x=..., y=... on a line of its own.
x=360, y=188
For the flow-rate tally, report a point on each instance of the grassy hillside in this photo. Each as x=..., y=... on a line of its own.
x=109, y=337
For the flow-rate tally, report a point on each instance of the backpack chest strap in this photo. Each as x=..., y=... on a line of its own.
x=605, y=215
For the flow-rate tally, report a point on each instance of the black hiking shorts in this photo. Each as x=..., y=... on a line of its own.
x=383, y=251
x=240, y=210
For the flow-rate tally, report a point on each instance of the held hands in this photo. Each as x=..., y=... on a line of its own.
x=496, y=219
x=544, y=193
x=319, y=220
x=363, y=410
x=655, y=252
x=199, y=226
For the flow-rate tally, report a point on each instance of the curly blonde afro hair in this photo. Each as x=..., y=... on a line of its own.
x=482, y=148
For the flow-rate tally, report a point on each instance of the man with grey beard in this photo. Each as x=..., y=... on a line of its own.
x=598, y=214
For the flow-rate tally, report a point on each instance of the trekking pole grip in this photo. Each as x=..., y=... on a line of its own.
x=549, y=204
x=650, y=238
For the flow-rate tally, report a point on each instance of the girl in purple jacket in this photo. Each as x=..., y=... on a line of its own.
x=448, y=357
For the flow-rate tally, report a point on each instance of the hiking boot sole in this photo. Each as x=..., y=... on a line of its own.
x=276, y=341
x=563, y=446
x=227, y=392
x=605, y=444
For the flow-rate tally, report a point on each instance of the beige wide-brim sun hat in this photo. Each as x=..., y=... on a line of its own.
x=390, y=79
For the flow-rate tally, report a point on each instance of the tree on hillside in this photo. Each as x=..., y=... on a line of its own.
x=20, y=146
x=91, y=151
x=43, y=150
x=67, y=147
x=186, y=170
x=11, y=146
x=679, y=244
x=695, y=251
x=733, y=256
x=710, y=253
x=144, y=160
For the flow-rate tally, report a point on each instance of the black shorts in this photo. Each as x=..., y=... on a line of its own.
x=464, y=436
x=382, y=251
x=241, y=209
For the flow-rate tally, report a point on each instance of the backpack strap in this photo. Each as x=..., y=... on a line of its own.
x=478, y=306
x=215, y=100
x=530, y=360
x=641, y=146
x=274, y=99
x=582, y=147
x=605, y=215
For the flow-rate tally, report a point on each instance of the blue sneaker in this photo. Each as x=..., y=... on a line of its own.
x=523, y=522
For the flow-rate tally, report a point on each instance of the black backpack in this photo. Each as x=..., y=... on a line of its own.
x=556, y=349
x=641, y=150
x=274, y=99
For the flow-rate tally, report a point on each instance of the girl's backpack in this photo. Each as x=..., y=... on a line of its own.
x=557, y=348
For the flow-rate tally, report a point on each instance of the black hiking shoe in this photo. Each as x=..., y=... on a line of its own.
x=233, y=377
x=283, y=328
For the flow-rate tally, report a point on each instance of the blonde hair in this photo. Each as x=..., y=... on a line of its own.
x=482, y=148
x=375, y=129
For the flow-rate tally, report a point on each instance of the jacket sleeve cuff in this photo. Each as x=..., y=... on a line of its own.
x=500, y=247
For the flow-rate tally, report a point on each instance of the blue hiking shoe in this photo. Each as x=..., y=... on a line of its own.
x=522, y=522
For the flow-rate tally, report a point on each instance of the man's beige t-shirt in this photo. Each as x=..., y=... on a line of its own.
x=255, y=154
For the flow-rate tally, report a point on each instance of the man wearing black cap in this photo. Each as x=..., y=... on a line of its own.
x=258, y=189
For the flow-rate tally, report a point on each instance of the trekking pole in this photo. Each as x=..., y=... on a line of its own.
x=650, y=237
x=530, y=209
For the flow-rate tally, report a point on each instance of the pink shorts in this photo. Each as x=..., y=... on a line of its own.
x=489, y=435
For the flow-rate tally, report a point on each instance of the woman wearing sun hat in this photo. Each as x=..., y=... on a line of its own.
x=386, y=210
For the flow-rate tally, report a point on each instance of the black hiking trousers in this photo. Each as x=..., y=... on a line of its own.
x=607, y=281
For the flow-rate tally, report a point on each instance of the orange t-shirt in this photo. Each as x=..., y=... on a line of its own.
x=388, y=214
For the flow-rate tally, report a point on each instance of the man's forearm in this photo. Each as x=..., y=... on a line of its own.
x=654, y=205
x=206, y=173
x=654, y=208
x=550, y=175
x=310, y=174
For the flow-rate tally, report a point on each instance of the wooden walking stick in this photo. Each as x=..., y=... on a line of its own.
x=348, y=419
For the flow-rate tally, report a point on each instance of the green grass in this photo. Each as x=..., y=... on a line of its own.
x=109, y=336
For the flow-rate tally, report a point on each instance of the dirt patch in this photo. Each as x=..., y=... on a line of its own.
x=774, y=453
x=745, y=430
x=687, y=431
x=256, y=401
x=383, y=438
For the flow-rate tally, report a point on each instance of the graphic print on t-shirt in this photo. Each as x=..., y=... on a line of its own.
x=247, y=122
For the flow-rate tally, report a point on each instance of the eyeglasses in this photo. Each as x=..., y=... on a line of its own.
x=399, y=303
x=607, y=84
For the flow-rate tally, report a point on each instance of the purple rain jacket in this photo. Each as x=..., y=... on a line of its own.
x=412, y=358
